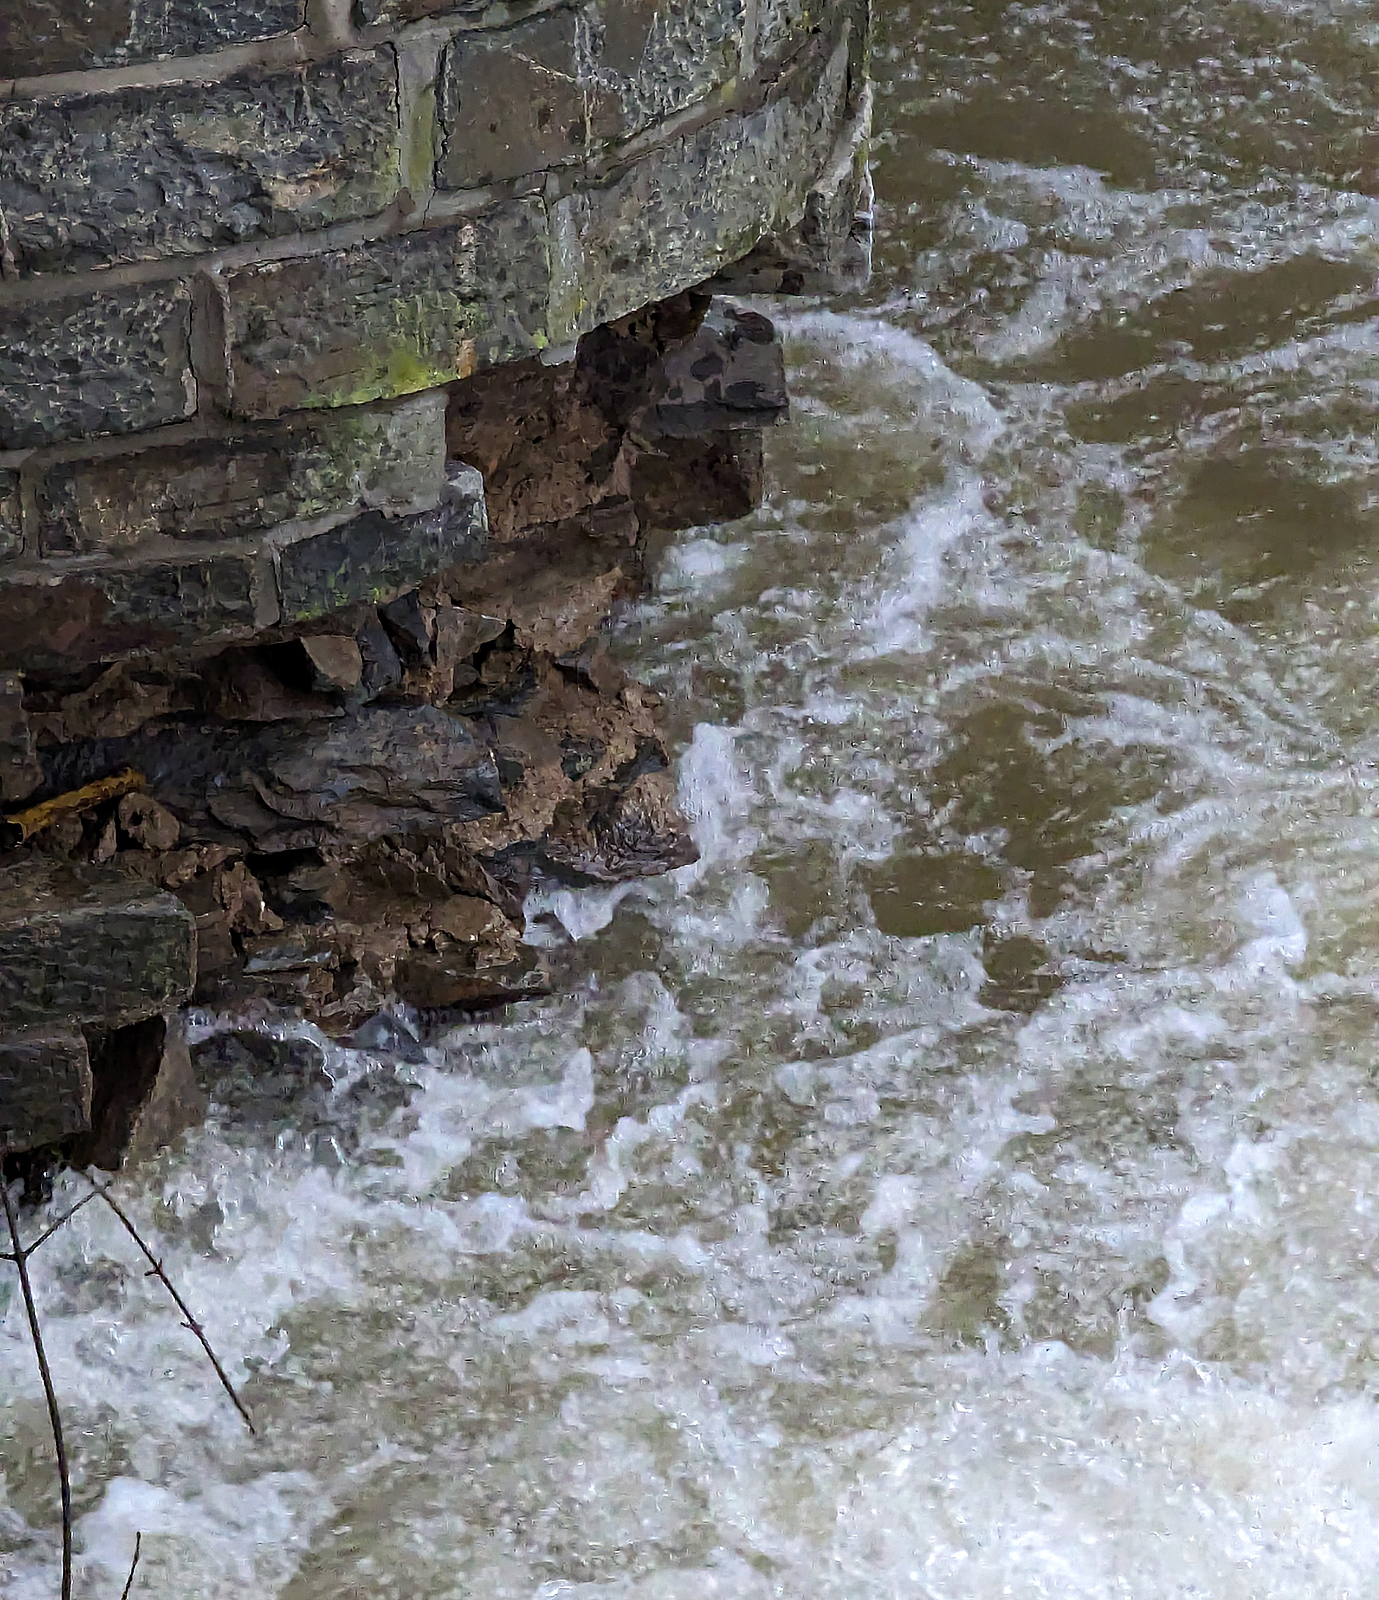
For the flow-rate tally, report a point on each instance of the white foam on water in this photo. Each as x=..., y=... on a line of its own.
x=791, y=1257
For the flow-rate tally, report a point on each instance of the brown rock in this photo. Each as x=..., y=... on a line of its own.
x=336, y=661
x=115, y=705
x=144, y=1093
x=557, y=583
x=243, y=686
x=149, y=825
x=468, y=921
x=108, y=843
x=459, y=633
x=184, y=865
x=241, y=894
x=441, y=982
x=593, y=666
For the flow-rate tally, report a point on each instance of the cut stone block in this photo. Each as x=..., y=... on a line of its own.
x=690, y=207
x=45, y=1088
x=139, y=174
x=105, y=361
x=391, y=458
x=102, y=613
x=373, y=558
x=513, y=103
x=554, y=89
x=656, y=59
x=81, y=946
x=389, y=318
x=40, y=36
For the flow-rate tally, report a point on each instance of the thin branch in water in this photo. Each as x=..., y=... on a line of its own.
x=190, y=1321
x=47, y=1233
x=133, y=1567
x=21, y=1262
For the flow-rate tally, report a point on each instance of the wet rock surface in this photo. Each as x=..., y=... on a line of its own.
x=345, y=808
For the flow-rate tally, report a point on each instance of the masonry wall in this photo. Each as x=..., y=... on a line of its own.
x=353, y=354
x=244, y=242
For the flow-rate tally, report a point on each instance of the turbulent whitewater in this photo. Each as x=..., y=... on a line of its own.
x=964, y=1181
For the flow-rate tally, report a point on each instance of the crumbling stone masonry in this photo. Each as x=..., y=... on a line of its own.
x=351, y=351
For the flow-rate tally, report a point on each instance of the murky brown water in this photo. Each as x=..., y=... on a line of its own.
x=964, y=1182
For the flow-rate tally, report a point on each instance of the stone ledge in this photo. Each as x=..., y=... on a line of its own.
x=79, y=945
x=61, y=614
x=381, y=458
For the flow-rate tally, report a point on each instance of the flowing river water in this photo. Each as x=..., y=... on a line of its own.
x=964, y=1182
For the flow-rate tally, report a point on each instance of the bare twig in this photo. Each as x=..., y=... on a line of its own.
x=190, y=1321
x=20, y=1258
x=43, y=1238
x=133, y=1567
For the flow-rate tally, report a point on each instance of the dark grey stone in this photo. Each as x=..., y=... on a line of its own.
x=11, y=519
x=107, y=361
x=552, y=90
x=138, y=174
x=45, y=1088
x=410, y=625
x=372, y=558
x=79, y=945
x=382, y=667
x=391, y=458
x=368, y=12
x=731, y=374
x=379, y=771
x=693, y=205
x=259, y=1077
x=413, y=758
x=41, y=36
x=20, y=774
x=389, y=318
x=144, y=1092
x=388, y=1034
x=104, y=613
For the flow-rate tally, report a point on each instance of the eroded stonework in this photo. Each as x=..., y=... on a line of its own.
x=353, y=360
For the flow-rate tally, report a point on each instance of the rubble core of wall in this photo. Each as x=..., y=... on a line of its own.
x=353, y=356
x=348, y=807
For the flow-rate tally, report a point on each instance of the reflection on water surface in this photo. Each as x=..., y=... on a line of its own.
x=962, y=1183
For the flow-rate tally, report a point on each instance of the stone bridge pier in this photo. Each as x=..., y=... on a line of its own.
x=352, y=352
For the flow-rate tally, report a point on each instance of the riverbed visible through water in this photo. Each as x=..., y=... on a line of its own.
x=964, y=1182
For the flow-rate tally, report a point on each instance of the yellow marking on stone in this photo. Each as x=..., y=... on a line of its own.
x=36, y=818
